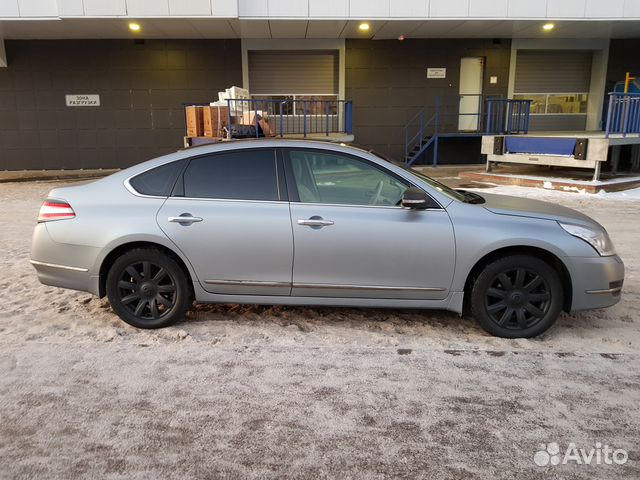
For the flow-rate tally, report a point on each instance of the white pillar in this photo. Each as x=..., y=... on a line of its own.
x=3, y=54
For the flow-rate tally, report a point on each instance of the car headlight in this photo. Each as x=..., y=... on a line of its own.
x=597, y=238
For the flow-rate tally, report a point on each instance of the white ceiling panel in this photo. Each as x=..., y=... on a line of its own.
x=147, y=8
x=352, y=30
x=254, y=28
x=70, y=8
x=37, y=8
x=478, y=28
x=325, y=28
x=288, y=28
x=224, y=8
x=435, y=28
x=74, y=27
x=175, y=28
x=104, y=8
x=190, y=7
x=9, y=8
x=329, y=8
x=369, y=8
x=288, y=8
x=218, y=28
x=394, y=29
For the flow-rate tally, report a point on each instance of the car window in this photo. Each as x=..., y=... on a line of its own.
x=334, y=178
x=239, y=175
x=158, y=181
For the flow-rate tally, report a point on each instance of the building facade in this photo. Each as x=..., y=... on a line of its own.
x=393, y=59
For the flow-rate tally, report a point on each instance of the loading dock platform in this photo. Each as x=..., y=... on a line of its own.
x=560, y=149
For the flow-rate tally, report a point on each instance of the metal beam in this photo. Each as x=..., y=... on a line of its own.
x=3, y=54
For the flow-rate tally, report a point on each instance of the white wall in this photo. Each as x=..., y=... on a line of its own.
x=355, y=9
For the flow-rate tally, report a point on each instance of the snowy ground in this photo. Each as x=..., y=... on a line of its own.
x=274, y=392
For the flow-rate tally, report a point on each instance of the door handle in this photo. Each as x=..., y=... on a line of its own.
x=315, y=222
x=184, y=219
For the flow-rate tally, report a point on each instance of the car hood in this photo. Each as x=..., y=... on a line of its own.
x=525, y=207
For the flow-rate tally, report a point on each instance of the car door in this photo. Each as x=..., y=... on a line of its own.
x=353, y=239
x=230, y=217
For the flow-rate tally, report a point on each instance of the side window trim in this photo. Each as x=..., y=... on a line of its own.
x=179, y=188
x=293, y=189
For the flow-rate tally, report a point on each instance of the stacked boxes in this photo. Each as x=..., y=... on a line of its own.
x=211, y=120
x=195, y=124
x=214, y=120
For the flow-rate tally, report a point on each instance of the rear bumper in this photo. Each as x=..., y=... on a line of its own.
x=61, y=264
x=597, y=282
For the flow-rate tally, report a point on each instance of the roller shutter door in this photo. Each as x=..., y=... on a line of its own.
x=293, y=72
x=553, y=71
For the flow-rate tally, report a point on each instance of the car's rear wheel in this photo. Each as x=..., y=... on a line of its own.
x=147, y=289
x=518, y=296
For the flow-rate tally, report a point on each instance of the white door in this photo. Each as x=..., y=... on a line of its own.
x=471, y=73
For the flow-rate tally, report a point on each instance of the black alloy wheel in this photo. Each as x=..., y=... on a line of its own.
x=147, y=288
x=517, y=296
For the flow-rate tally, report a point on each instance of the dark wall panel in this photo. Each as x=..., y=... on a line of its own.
x=624, y=57
x=387, y=81
x=142, y=87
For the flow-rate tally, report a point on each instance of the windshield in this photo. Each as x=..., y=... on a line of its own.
x=449, y=192
x=442, y=188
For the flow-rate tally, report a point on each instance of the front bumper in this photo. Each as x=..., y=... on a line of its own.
x=597, y=282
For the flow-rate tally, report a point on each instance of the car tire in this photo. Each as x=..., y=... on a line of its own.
x=518, y=296
x=148, y=289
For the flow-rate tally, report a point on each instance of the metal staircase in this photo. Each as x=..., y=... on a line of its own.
x=495, y=116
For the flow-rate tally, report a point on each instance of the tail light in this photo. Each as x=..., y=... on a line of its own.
x=55, y=210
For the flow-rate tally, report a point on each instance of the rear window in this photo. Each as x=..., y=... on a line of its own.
x=158, y=181
x=243, y=175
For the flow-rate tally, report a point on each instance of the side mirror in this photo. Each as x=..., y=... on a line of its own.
x=415, y=198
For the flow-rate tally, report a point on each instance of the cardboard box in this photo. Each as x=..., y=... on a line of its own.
x=249, y=118
x=215, y=119
x=195, y=123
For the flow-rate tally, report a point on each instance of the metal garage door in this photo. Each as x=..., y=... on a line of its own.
x=558, y=82
x=293, y=72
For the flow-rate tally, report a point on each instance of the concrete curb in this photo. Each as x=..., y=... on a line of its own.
x=48, y=175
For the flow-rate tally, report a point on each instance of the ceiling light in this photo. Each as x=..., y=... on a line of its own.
x=548, y=26
x=363, y=27
x=134, y=27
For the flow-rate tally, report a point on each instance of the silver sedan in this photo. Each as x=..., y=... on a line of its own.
x=311, y=223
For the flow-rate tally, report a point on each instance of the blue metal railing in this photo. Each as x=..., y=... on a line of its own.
x=507, y=116
x=293, y=117
x=494, y=116
x=623, y=116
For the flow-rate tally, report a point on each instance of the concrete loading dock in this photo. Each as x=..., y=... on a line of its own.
x=584, y=150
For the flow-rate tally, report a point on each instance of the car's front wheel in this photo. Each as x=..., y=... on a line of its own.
x=518, y=296
x=147, y=288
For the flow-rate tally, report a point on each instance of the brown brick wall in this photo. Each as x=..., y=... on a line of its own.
x=141, y=86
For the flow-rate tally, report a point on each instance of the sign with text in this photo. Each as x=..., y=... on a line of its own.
x=82, y=100
x=436, y=73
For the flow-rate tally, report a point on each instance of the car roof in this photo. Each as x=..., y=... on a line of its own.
x=273, y=143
